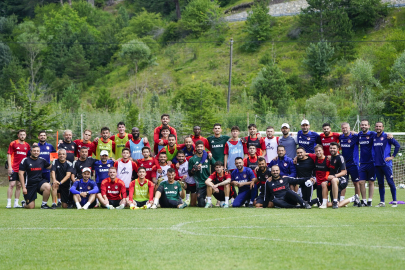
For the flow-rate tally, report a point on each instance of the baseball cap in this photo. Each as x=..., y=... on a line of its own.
x=86, y=169
x=104, y=152
x=304, y=122
x=285, y=125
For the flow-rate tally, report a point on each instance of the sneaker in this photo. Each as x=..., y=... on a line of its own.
x=23, y=204
x=121, y=207
x=394, y=204
x=59, y=205
x=154, y=206
x=357, y=200
x=381, y=204
x=54, y=206
x=208, y=205
x=307, y=205
x=356, y=204
x=8, y=206
x=184, y=205
x=17, y=206
x=144, y=207
x=187, y=202
x=363, y=204
x=369, y=204
x=323, y=206
x=45, y=206
x=251, y=205
x=335, y=205
x=225, y=205
x=110, y=207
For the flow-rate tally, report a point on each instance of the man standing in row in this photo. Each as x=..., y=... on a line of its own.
x=306, y=138
x=61, y=172
x=217, y=143
x=68, y=145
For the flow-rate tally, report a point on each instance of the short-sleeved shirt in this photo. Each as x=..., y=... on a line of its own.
x=172, y=191
x=113, y=190
x=148, y=164
x=290, y=144
x=350, y=148
x=305, y=167
x=71, y=149
x=45, y=152
x=61, y=169
x=308, y=141
x=245, y=176
x=17, y=151
x=33, y=169
x=326, y=140
x=337, y=164
x=216, y=179
x=79, y=165
x=101, y=169
x=263, y=178
x=204, y=173
x=217, y=146
x=81, y=144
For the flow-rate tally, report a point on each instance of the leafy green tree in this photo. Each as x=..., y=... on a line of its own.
x=270, y=85
x=365, y=13
x=132, y=118
x=398, y=69
x=198, y=14
x=362, y=84
x=134, y=53
x=11, y=73
x=7, y=24
x=395, y=103
x=201, y=103
x=257, y=26
x=145, y=23
x=123, y=17
x=76, y=64
x=105, y=101
x=318, y=60
x=5, y=56
x=70, y=100
x=321, y=106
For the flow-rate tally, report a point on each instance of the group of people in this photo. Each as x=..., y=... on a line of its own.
x=122, y=170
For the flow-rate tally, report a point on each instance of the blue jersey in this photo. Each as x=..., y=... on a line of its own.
x=101, y=169
x=366, y=147
x=350, y=148
x=382, y=149
x=308, y=141
x=245, y=176
x=81, y=186
x=45, y=152
x=286, y=165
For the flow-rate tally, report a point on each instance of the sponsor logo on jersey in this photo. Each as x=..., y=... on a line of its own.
x=279, y=188
x=364, y=142
x=378, y=144
x=21, y=153
x=124, y=171
x=36, y=169
x=345, y=145
x=113, y=191
x=217, y=145
x=175, y=187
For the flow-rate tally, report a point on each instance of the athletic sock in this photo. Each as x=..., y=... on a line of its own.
x=9, y=201
x=251, y=202
x=227, y=200
x=78, y=205
x=351, y=199
x=342, y=198
x=334, y=200
x=43, y=203
x=208, y=199
x=59, y=201
x=15, y=201
x=86, y=205
x=365, y=201
x=187, y=196
x=324, y=201
x=370, y=200
x=156, y=201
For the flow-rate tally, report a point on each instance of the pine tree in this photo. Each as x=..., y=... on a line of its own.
x=76, y=64
x=105, y=101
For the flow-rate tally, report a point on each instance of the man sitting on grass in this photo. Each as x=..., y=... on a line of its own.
x=141, y=191
x=113, y=191
x=218, y=184
x=84, y=191
x=169, y=193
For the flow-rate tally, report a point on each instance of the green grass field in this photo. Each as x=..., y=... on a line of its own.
x=347, y=238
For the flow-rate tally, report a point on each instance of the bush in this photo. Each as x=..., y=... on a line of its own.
x=365, y=13
x=318, y=59
x=171, y=33
x=145, y=23
x=321, y=106
x=398, y=69
x=198, y=16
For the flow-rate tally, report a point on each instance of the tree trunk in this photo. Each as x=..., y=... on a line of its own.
x=178, y=12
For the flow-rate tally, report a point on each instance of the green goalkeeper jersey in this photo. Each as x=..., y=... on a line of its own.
x=172, y=191
x=217, y=146
x=201, y=176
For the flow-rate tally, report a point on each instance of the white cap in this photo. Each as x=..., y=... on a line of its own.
x=285, y=125
x=104, y=152
x=86, y=169
x=304, y=122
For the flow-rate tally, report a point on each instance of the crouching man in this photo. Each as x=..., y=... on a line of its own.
x=84, y=191
x=218, y=184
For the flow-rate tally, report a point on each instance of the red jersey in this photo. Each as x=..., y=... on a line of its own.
x=333, y=137
x=259, y=143
x=113, y=190
x=201, y=138
x=156, y=134
x=127, y=145
x=148, y=164
x=226, y=150
x=80, y=144
x=17, y=151
x=321, y=168
x=216, y=179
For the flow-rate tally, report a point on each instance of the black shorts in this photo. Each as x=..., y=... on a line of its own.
x=114, y=203
x=220, y=196
x=14, y=177
x=191, y=188
x=99, y=187
x=165, y=202
x=140, y=204
x=64, y=191
x=343, y=182
x=32, y=191
x=260, y=199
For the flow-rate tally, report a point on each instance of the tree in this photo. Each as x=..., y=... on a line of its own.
x=5, y=56
x=134, y=53
x=144, y=23
x=76, y=64
x=257, y=26
x=105, y=101
x=270, y=85
x=123, y=17
x=132, y=118
x=362, y=84
x=321, y=106
x=365, y=13
x=71, y=98
x=197, y=16
x=11, y=73
x=398, y=69
x=201, y=102
x=318, y=60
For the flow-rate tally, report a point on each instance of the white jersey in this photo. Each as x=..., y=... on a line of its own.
x=164, y=173
x=124, y=172
x=183, y=170
x=271, y=148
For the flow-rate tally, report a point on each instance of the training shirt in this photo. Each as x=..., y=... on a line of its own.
x=290, y=144
x=350, y=148
x=246, y=175
x=141, y=192
x=61, y=169
x=366, y=146
x=33, y=168
x=382, y=149
x=321, y=168
x=259, y=143
x=188, y=153
x=278, y=188
x=81, y=144
x=45, y=152
x=172, y=191
x=120, y=143
x=286, y=165
x=163, y=174
x=101, y=169
x=149, y=164
x=183, y=171
x=201, y=175
x=113, y=190
x=308, y=141
x=79, y=165
x=109, y=146
x=326, y=140
x=217, y=146
x=251, y=162
x=216, y=179
x=71, y=150
x=305, y=167
x=271, y=148
x=80, y=186
x=17, y=151
x=136, y=147
x=337, y=164
x=126, y=171
x=263, y=177
x=234, y=149
x=201, y=138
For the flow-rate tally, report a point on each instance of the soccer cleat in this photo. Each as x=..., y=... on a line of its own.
x=323, y=206
x=369, y=204
x=335, y=205
x=17, y=206
x=357, y=200
x=121, y=207
x=144, y=207
x=356, y=204
x=394, y=204
x=187, y=202
x=251, y=205
x=225, y=205
x=8, y=206
x=363, y=204
x=45, y=206
x=381, y=204
x=110, y=207
x=59, y=205
x=184, y=205
x=154, y=206
x=307, y=205
x=54, y=206
x=208, y=205
x=23, y=204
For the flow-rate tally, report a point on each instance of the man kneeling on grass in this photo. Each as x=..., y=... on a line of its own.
x=218, y=184
x=278, y=190
x=169, y=193
x=113, y=191
x=84, y=191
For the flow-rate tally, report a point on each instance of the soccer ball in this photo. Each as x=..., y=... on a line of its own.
x=401, y=186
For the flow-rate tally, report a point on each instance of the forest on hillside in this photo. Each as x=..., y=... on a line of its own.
x=132, y=60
